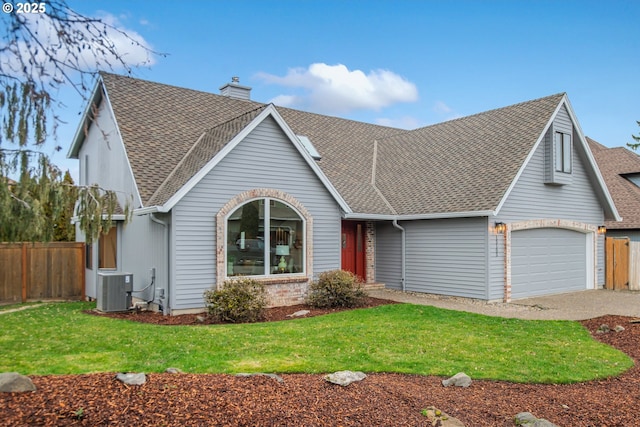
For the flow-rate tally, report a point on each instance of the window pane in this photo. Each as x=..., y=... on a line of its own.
x=245, y=240
x=88, y=256
x=107, y=249
x=287, y=240
x=566, y=152
x=557, y=143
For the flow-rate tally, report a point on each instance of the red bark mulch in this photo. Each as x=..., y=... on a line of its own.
x=308, y=400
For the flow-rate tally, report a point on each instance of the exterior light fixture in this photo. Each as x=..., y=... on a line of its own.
x=602, y=229
x=500, y=227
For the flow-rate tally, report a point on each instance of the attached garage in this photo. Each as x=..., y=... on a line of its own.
x=548, y=261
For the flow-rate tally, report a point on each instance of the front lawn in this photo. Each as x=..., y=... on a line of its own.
x=58, y=338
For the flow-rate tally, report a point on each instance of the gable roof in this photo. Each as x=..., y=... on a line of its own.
x=615, y=163
x=460, y=167
x=463, y=165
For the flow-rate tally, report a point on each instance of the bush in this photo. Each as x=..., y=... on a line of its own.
x=336, y=288
x=239, y=301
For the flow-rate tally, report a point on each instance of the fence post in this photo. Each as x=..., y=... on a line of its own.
x=24, y=273
x=81, y=263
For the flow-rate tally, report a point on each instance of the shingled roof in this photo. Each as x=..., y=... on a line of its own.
x=464, y=165
x=615, y=164
x=160, y=124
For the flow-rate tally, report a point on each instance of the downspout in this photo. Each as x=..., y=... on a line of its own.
x=403, y=252
x=165, y=299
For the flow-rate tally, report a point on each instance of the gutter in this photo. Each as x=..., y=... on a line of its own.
x=403, y=254
x=412, y=217
x=150, y=209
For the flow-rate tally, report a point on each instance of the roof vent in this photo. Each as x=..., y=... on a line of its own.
x=236, y=90
x=308, y=145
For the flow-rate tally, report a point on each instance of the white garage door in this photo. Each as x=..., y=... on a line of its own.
x=547, y=261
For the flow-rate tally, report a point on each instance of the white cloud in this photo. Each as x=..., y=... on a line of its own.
x=131, y=47
x=444, y=111
x=441, y=108
x=336, y=89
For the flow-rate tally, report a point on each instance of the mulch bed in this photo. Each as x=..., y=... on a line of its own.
x=308, y=400
x=271, y=314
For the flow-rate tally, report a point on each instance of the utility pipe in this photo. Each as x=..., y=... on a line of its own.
x=165, y=225
x=403, y=252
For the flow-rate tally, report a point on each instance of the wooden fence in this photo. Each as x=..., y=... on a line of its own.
x=622, y=263
x=41, y=271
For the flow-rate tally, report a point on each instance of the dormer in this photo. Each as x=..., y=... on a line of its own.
x=559, y=150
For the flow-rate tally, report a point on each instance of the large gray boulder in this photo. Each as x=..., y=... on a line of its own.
x=459, y=380
x=261, y=374
x=13, y=382
x=527, y=419
x=132, y=378
x=344, y=378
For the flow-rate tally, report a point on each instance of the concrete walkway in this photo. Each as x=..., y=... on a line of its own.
x=571, y=306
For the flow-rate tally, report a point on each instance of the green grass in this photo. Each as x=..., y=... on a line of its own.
x=60, y=339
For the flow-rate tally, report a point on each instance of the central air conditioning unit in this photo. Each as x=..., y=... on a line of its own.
x=114, y=291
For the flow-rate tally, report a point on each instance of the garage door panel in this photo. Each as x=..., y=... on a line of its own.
x=547, y=261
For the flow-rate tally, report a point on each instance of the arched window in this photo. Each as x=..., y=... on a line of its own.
x=264, y=237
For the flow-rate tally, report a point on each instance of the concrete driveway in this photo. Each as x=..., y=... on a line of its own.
x=571, y=306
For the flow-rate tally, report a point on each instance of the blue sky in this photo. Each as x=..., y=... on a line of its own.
x=403, y=63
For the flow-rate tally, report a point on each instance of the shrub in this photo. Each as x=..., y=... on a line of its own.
x=239, y=301
x=336, y=288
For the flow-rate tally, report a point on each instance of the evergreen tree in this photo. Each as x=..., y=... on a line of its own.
x=636, y=144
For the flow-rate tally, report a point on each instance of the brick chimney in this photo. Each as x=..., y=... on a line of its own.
x=236, y=90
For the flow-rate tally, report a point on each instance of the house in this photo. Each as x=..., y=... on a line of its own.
x=620, y=169
x=499, y=205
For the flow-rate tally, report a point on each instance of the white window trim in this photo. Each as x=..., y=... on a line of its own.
x=266, y=201
x=563, y=161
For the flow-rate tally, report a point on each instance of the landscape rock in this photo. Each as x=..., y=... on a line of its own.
x=260, y=374
x=299, y=313
x=619, y=328
x=13, y=382
x=440, y=419
x=527, y=419
x=132, y=378
x=344, y=378
x=174, y=371
x=459, y=380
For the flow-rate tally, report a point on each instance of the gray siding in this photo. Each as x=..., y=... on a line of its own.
x=388, y=255
x=143, y=248
x=447, y=256
x=102, y=159
x=531, y=198
x=264, y=159
x=107, y=160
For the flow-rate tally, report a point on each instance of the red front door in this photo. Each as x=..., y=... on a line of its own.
x=353, y=248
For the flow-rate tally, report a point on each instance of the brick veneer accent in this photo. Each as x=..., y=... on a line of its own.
x=285, y=289
x=545, y=223
x=370, y=248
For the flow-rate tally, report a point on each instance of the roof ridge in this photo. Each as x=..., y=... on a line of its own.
x=482, y=113
x=373, y=178
x=181, y=88
x=233, y=119
x=343, y=119
x=195, y=145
